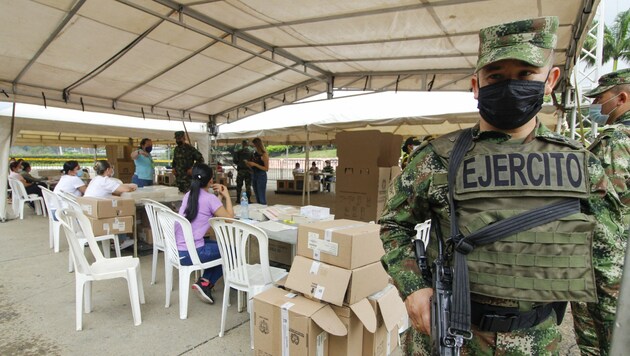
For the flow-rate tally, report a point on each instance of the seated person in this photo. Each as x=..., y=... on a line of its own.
x=31, y=188
x=26, y=174
x=198, y=206
x=103, y=186
x=328, y=176
x=297, y=170
x=70, y=182
x=314, y=170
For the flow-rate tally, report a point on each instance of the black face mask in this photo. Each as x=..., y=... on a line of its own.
x=510, y=103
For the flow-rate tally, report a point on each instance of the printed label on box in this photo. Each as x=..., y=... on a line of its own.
x=314, y=267
x=87, y=208
x=319, y=292
x=114, y=203
x=329, y=247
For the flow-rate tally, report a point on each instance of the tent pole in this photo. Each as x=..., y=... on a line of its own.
x=304, y=190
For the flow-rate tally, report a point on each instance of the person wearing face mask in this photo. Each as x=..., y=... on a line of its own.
x=143, y=161
x=611, y=107
x=185, y=157
x=71, y=182
x=407, y=148
x=525, y=217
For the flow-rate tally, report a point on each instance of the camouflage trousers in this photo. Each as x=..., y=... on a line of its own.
x=589, y=329
x=183, y=183
x=542, y=339
x=240, y=179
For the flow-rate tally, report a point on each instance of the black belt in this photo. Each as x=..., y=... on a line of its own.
x=502, y=319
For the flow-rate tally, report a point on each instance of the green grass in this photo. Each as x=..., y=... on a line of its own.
x=314, y=154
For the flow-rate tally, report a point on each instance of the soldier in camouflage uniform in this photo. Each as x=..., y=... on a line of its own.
x=612, y=147
x=184, y=157
x=244, y=173
x=514, y=71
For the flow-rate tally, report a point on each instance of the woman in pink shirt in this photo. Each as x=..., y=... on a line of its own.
x=198, y=206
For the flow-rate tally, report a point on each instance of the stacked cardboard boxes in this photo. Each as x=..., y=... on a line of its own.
x=111, y=215
x=340, y=302
x=368, y=161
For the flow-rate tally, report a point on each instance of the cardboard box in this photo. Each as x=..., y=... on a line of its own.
x=390, y=152
x=343, y=243
x=390, y=310
x=107, y=207
x=368, y=148
x=363, y=179
x=107, y=226
x=360, y=148
x=148, y=235
x=279, y=252
x=289, y=322
x=124, y=167
x=356, y=318
x=333, y=284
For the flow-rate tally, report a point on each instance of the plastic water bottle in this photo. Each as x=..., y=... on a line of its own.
x=244, y=206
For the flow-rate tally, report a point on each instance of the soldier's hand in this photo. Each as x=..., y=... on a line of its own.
x=189, y=172
x=418, y=306
x=174, y=171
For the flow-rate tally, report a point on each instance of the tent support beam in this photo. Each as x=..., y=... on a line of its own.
x=52, y=36
x=193, y=54
x=417, y=6
x=113, y=59
x=235, y=33
x=241, y=87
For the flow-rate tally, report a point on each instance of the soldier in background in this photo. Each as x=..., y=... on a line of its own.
x=243, y=172
x=518, y=283
x=612, y=147
x=185, y=157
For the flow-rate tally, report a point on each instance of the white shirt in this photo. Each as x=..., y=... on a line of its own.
x=16, y=176
x=69, y=184
x=101, y=187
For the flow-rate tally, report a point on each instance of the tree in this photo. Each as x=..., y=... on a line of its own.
x=616, y=41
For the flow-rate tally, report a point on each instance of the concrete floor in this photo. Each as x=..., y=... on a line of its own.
x=37, y=302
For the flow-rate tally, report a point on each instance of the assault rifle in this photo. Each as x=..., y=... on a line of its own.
x=443, y=341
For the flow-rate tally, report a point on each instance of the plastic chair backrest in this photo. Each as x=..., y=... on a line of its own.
x=232, y=236
x=151, y=207
x=71, y=201
x=167, y=220
x=52, y=201
x=18, y=188
x=67, y=217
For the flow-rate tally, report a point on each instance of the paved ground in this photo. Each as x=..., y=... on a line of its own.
x=37, y=304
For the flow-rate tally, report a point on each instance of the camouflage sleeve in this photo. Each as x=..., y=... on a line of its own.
x=608, y=253
x=407, y=205
x=613, y=151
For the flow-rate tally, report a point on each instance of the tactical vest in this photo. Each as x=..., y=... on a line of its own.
x=551, y=262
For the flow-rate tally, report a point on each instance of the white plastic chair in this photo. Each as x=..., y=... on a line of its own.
x=70, y=202
x=158, y=240
x=103, y=268
x=54, y=227
x=167, y=219
x=20, y=197
x=232, y=238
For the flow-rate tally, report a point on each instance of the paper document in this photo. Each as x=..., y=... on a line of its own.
x=275, y=226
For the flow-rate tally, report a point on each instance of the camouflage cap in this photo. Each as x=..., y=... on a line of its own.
x=531, y=41
x=610, y=80
x=179, y=134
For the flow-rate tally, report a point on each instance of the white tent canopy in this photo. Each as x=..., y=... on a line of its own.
x=225, y=60
x=403, y=113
